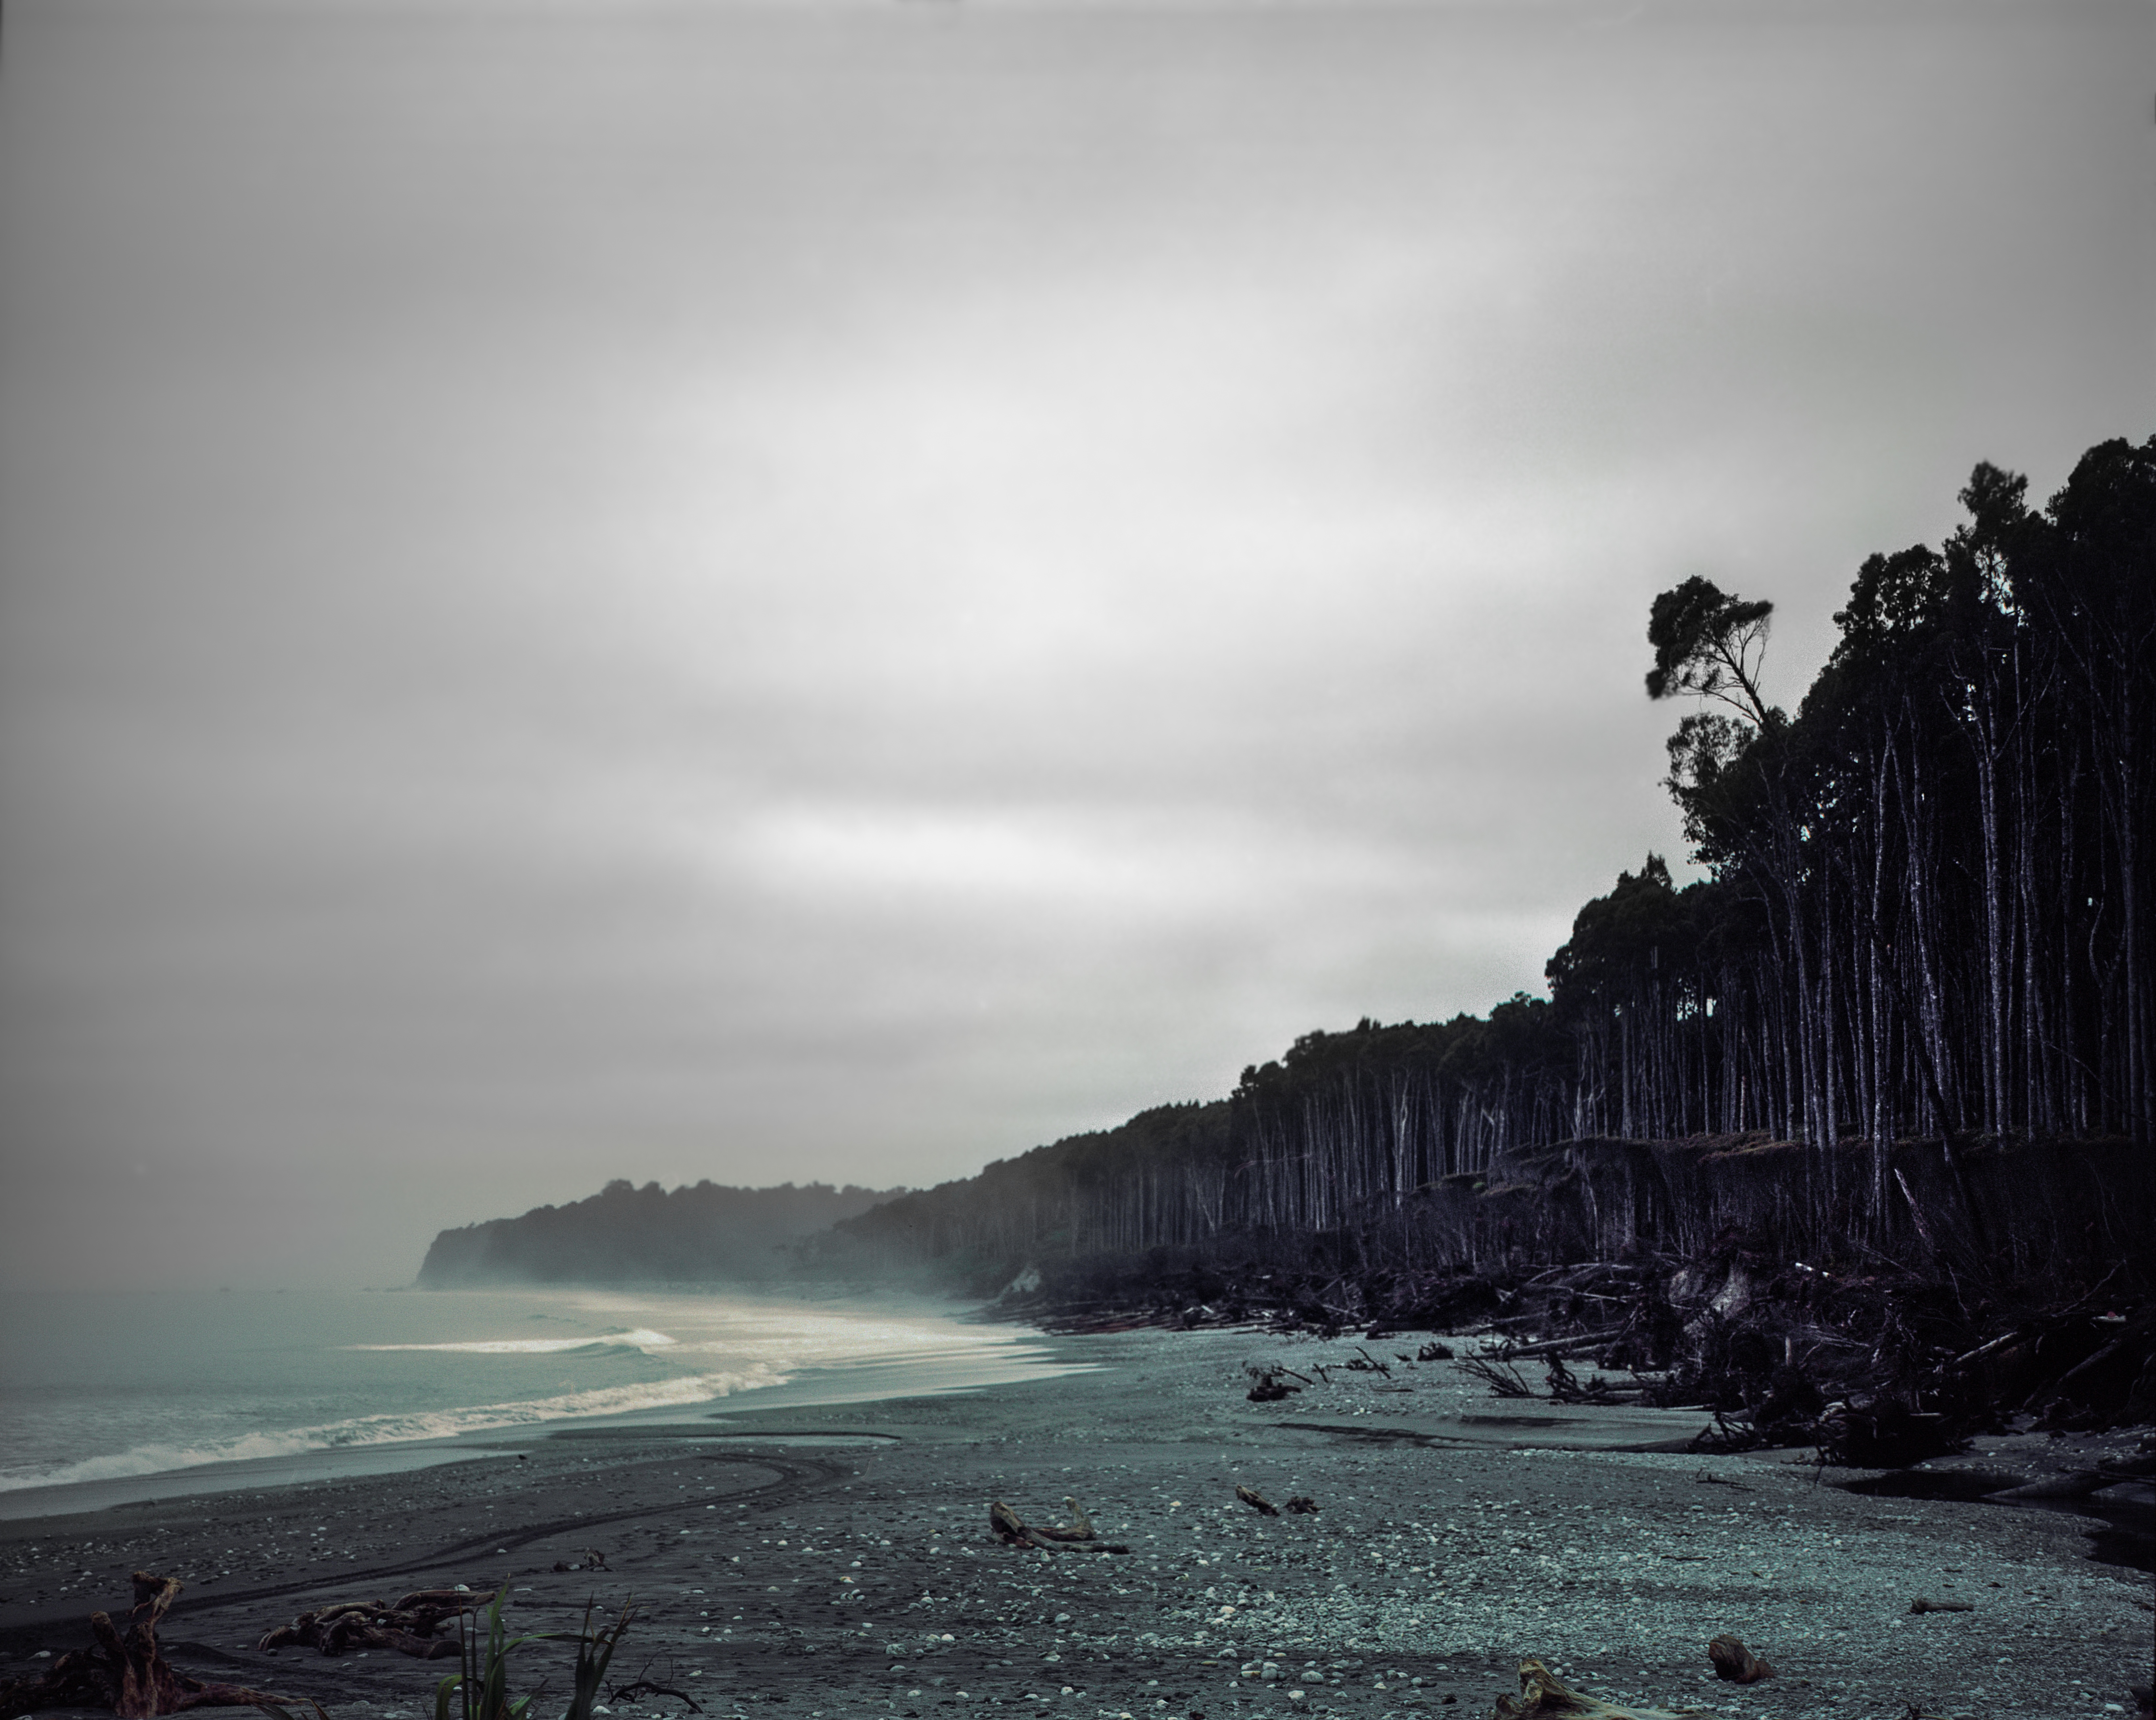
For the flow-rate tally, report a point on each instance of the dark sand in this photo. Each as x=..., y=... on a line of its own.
x=836, y=1560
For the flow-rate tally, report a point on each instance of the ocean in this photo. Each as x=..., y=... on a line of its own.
x=108, y=1397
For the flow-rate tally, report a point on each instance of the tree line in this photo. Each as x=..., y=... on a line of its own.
x=1925, y=916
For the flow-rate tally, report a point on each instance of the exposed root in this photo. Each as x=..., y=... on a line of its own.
x=129, y=1675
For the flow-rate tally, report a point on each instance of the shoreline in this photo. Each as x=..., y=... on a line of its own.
x=912, y=1360
x=811, y=1387
x=835, y=1558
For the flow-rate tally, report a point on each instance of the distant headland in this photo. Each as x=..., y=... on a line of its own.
x=626, y=1234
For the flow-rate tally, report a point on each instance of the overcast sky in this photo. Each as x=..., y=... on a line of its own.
x=837, y=590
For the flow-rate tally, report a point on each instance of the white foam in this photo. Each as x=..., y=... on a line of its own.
x=156, y=1459
x=279, y=1404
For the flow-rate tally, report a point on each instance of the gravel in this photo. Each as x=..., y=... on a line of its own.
x=1455, y=1534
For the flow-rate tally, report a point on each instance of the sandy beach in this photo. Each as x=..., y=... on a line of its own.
x=837, y=1559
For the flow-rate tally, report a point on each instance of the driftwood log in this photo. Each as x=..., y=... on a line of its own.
x=409, y=1626
x=1014, y=1531
x=129, y=1675
x=1542, y=1694
x=1581, y=1343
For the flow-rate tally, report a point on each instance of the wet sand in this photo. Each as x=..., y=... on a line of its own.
x=835, y=1560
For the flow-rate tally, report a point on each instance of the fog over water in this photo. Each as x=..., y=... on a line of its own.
x=837, y=590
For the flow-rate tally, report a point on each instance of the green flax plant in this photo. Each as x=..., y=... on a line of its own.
x=480, y=1689
x=594, y=1653
x=482, y=1683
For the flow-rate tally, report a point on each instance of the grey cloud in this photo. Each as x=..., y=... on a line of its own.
x=757, y=593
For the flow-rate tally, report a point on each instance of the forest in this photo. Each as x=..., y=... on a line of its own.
x=1905, y=1012
x=627, y=1235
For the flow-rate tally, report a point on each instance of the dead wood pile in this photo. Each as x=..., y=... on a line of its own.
x=409, y=1626
x=1877, y=1367
x=129, y=1675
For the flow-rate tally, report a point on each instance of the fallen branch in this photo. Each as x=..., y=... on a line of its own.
x=2019, y=1334
x=130, y=1675
x=1502, y=1379
x=645, y=1687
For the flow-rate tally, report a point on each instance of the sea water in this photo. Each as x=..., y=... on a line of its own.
x=170, y=1392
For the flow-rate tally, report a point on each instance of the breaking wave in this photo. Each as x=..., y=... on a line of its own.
x=156, y=1459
